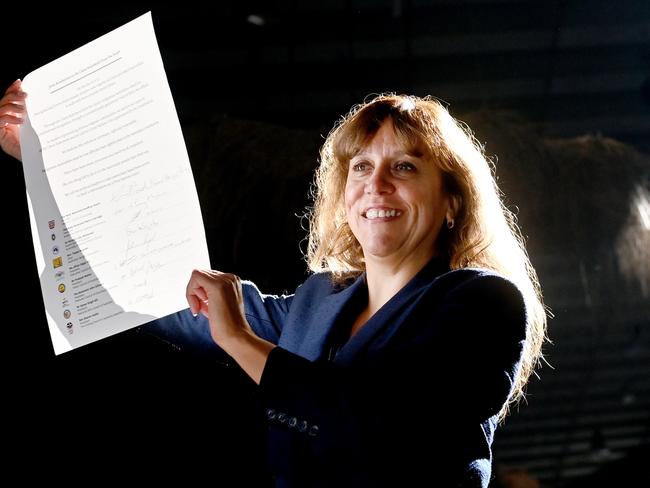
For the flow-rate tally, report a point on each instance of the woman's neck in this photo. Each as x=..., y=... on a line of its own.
x=385, y=278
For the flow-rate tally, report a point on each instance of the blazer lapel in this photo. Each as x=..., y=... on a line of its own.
x=312, y=342
x=390, y=316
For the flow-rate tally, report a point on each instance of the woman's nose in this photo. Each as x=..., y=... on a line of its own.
x=379, y=182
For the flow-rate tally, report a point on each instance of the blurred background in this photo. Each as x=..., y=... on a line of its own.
x=558, y=92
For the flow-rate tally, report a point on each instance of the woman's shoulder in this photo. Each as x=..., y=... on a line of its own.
x=331, y=281
x=474, y=277
x=473, y=297
x=480, y=286
x=455, y=280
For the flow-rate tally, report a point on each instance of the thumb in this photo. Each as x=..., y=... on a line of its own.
x=14, y=86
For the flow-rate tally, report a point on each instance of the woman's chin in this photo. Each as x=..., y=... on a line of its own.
x=379, y=252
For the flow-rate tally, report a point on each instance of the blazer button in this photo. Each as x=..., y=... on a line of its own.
x=293, y=421
x=313, y=430
x=282, y=418
x=302, y=426
x=270, y=414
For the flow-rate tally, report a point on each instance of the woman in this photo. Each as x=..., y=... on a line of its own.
x=392, y=364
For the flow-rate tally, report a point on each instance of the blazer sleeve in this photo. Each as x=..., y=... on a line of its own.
x=455, y=363
x=266, y=315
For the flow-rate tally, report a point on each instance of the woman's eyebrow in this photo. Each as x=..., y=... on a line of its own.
x=410, y=155
x=359, y=155
x=397, y=154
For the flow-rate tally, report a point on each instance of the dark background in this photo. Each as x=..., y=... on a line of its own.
x=558, y=91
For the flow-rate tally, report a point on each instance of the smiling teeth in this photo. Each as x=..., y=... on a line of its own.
x=373, y=213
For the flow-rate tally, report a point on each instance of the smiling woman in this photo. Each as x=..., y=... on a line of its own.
x=395, y=205
x=393, y=363
x=421, y=156
x=394, y=202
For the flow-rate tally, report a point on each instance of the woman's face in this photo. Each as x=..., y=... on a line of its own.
x=394, y=201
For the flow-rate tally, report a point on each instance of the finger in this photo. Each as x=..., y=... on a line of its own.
x=14, y=97
x=14, y=110
x=204, y=309
x=13, y=107
x=10, y=119
x=195, y=292
x=15, y=86
x=194, y=303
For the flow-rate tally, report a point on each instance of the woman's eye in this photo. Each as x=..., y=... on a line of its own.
x=405, y=166
x=362, y=166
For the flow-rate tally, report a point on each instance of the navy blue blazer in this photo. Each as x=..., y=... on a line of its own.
x=412, y=397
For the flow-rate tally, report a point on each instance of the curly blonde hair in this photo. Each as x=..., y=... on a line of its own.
x=484, y=234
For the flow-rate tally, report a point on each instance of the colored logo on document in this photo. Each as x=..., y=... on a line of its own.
x=61, y=288
x=55, y=250
x=59, y=275
x=69, y=326
x=50, y=224
x=66, y=314
x=54, y=237
x=57, y=262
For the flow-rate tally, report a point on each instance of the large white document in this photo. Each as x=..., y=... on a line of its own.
x=114, y=211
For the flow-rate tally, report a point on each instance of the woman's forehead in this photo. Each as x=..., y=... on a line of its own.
x=406, y=142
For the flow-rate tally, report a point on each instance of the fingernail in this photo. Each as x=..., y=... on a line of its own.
x=22, y=94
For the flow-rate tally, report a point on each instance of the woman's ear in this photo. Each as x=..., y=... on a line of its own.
x=453, y=207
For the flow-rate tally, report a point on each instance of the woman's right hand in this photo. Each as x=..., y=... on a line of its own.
x=12, y=112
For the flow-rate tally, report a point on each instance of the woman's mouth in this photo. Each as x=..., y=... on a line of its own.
x=381, y=213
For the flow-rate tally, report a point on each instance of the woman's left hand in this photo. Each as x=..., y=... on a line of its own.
x=218, y=296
